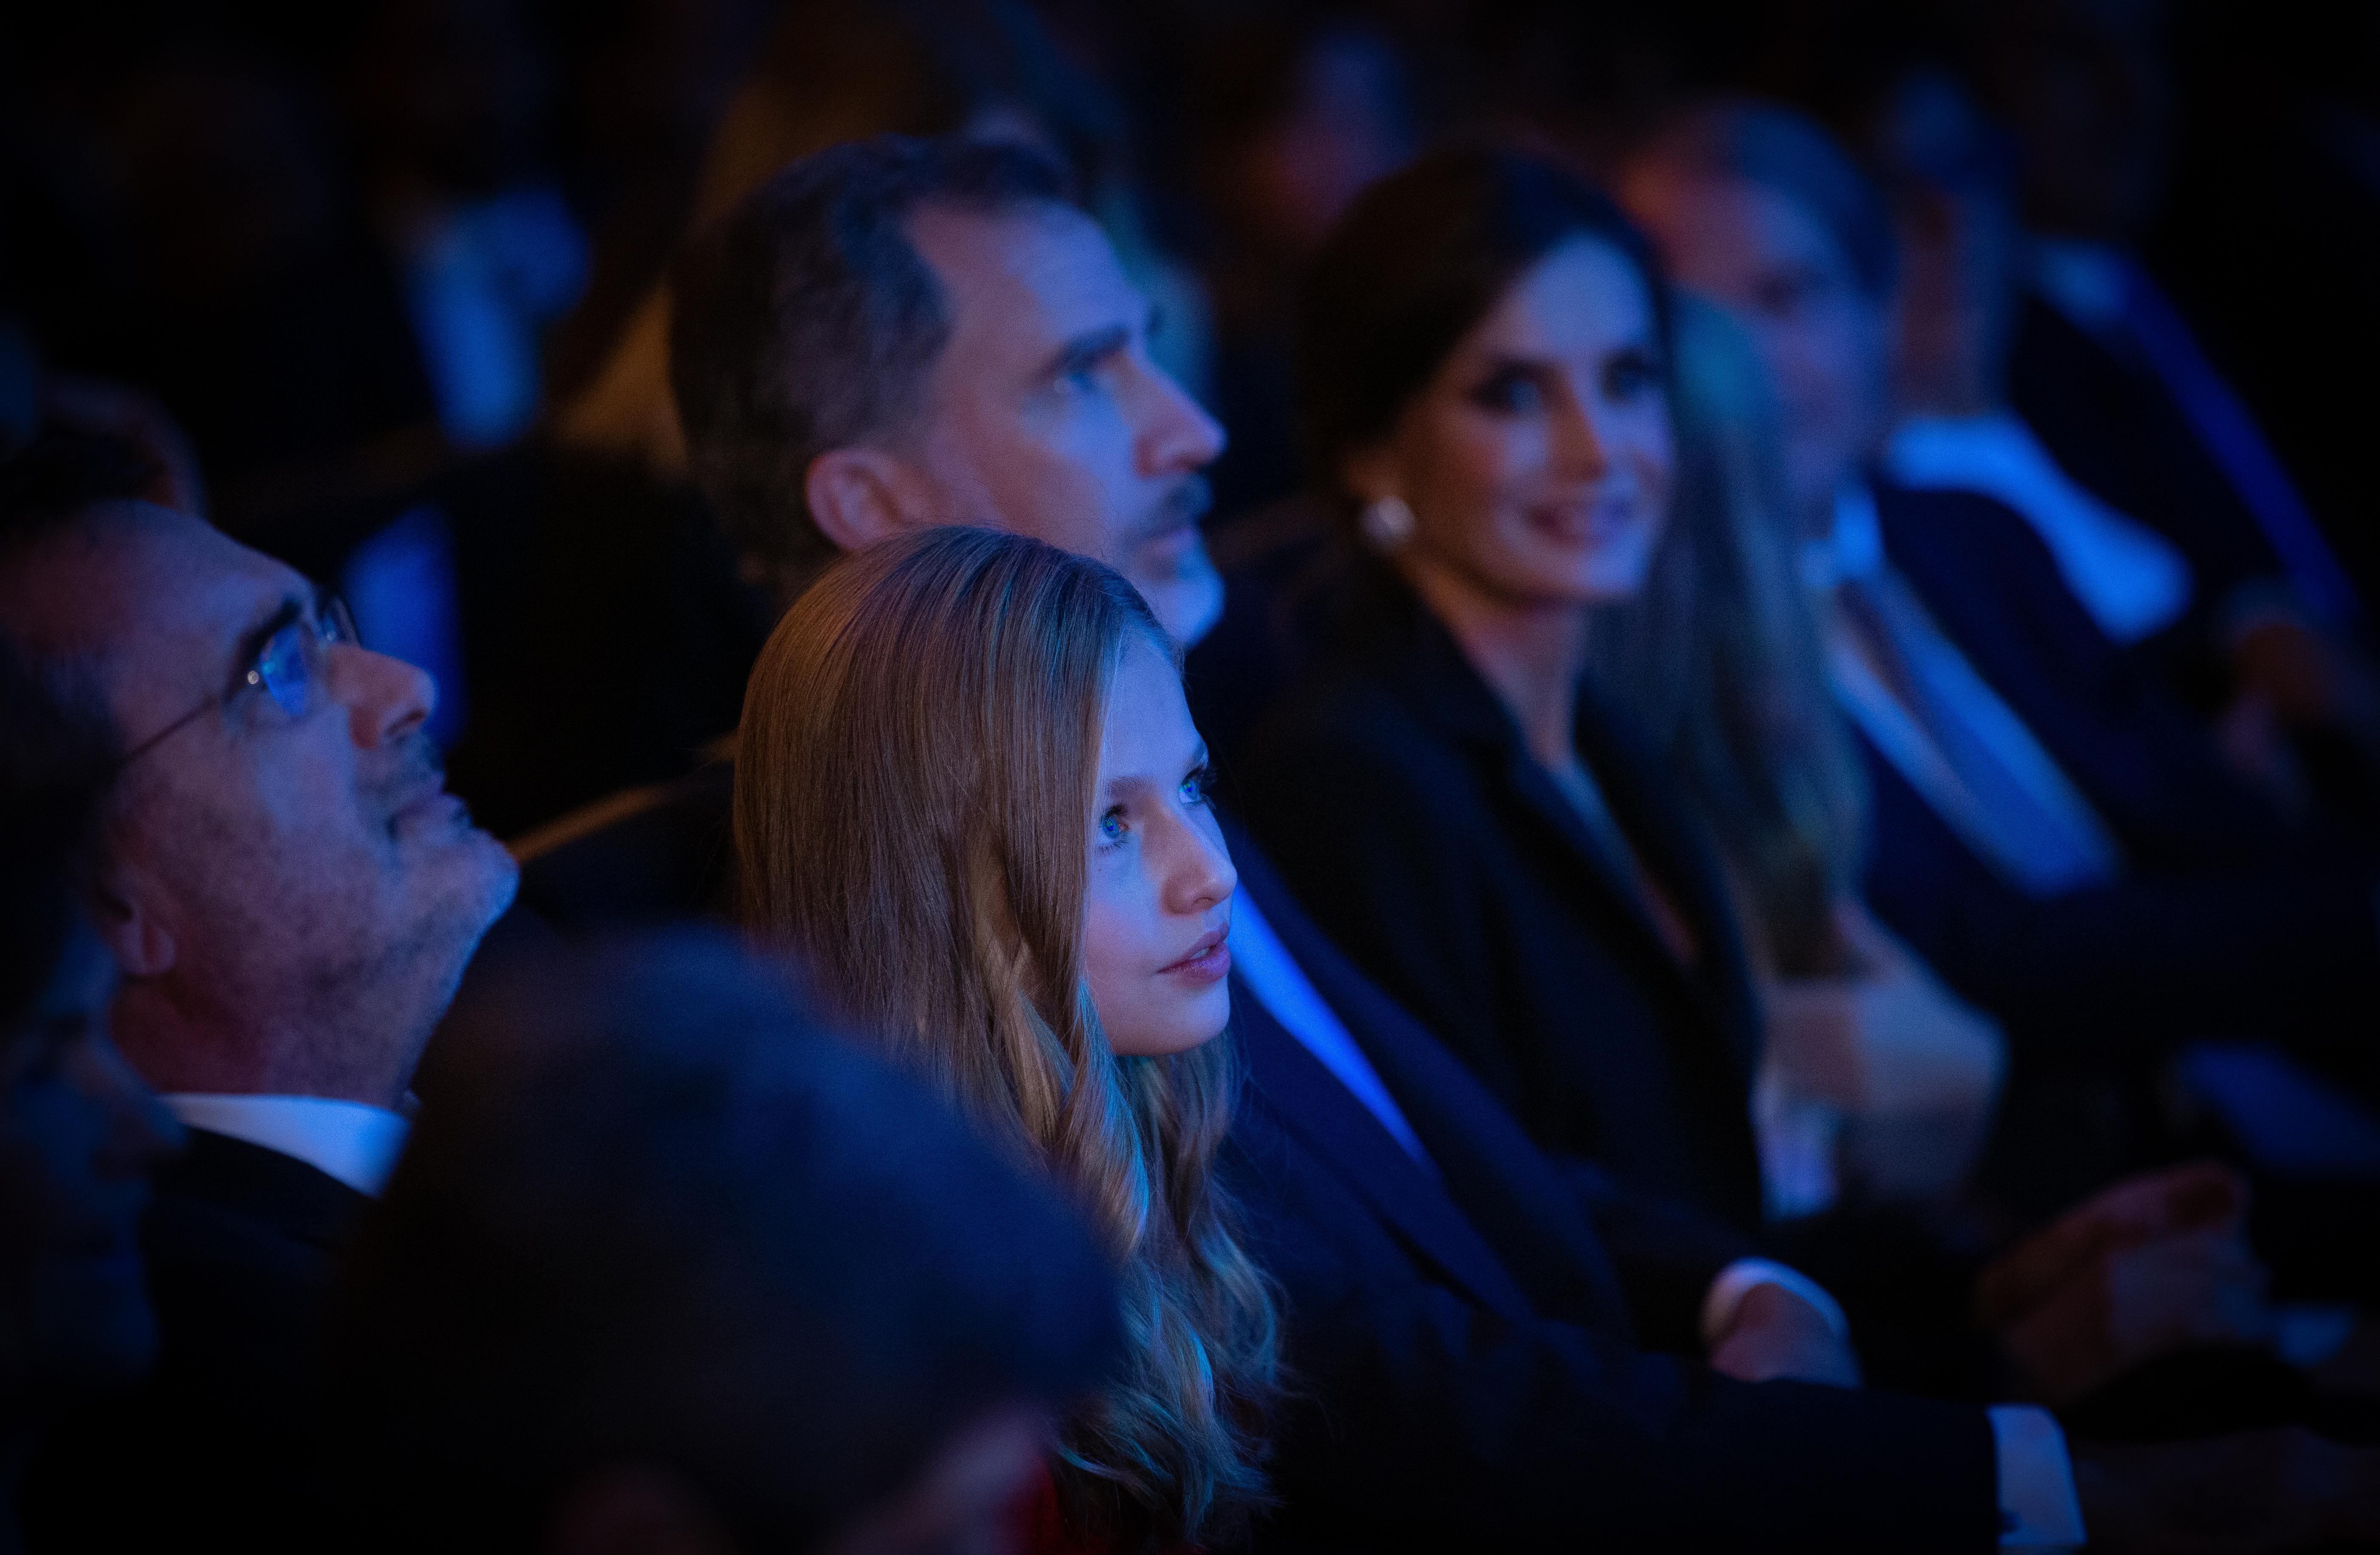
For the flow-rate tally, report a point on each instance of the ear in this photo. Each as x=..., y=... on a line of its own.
x=633, y=1512
x=860, y=495
x=124, y=913
x=1371, y=472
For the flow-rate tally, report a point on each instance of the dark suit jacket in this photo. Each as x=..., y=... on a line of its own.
x=2109, y=422
x=2225, y=922
x=1464, y=1337
x=1396, y=795
x=217, y=1448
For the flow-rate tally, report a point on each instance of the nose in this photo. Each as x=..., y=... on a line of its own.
x=1579, y=445
x=1174, y=435
x=1202, y=876
x=386, y=698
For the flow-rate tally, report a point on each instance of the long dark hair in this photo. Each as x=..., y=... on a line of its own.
x=1718, y=659
x=1420, y=260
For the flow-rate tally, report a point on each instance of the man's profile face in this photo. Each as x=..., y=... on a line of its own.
x=1044, y=414
x=293, y=860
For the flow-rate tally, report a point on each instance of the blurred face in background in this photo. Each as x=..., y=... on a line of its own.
x=1781, y=275
x=1345, y=125
x=1955, y=308
x=2087, y=87
x=1044, y=414
x=1157, y=913
x=1536, y=461
x=78, y=1136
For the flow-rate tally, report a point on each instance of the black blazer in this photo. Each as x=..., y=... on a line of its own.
x=1465, y=1337
x=1396, y=793
x=2225, y=923
x=218, y=1447
x=2109, y=422
x=654, y=854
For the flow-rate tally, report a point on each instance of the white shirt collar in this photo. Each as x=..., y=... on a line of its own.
x=353, y=1143
x=1853, y=548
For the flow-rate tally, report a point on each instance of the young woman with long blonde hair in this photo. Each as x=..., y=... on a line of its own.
x=969, y=799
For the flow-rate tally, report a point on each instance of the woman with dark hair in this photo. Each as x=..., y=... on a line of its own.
x=1493, y=410
x=1482, y=357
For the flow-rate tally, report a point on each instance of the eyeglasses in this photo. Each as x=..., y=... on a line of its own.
x=288, y=668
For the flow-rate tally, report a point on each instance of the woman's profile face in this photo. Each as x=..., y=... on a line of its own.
x=1158, y=911
x=1537, y=460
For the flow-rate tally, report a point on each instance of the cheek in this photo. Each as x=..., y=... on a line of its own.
x=1112, y=942
x=1465, y=471
x=1063, y=483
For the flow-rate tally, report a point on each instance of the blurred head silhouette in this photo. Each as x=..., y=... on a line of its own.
x=1757, y=209
x=78, y=1131
x=676, y=1269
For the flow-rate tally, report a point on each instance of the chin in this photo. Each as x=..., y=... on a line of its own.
x=1188, y=599
x=1178, y=1030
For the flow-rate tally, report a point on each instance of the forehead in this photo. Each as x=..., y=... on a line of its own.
x=1021, y=283
x=1148, y=723
x=158, y=599
x=1725, y=233
x=1581, y=299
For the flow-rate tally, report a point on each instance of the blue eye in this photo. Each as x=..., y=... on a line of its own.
x=284, y=670
x=1112, y=827
x=1512, y=394
x=1193, y=787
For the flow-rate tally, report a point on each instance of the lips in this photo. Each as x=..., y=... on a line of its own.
x=1209, y=960
x=432, y=806
x=1585, y=523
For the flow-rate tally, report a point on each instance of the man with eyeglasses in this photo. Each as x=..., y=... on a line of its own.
x=291, y=897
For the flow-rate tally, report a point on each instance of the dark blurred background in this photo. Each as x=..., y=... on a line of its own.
x=385, y=277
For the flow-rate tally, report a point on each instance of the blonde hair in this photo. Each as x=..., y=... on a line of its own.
x=912, y=785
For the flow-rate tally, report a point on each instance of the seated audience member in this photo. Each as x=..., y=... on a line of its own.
x=2052, y=831
x=78, y=1131
x=2296, y=700
x=677, y=1270
x=2104, y=365
x=1031, y=296
x=1458, y=1334
x=290, y=897
x=1873, y=1079
x=1066, y=985
x=889, y=333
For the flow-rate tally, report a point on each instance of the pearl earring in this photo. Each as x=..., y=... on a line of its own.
x=1388, y=523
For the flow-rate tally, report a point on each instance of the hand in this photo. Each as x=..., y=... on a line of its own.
x=2153, y=1264
x=2234, y=1495
x=1777, y=1334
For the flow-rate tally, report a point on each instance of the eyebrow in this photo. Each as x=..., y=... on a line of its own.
x=1125, y=782
x=288, y=612
x=1087, y=350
